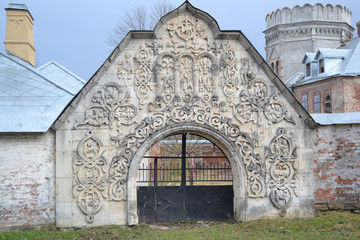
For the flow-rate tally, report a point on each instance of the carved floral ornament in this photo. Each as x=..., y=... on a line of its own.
x=256, y=102
x=89, y=176
x=191, y=82
x=128, y=145
x=110, y=107
x=281, y=169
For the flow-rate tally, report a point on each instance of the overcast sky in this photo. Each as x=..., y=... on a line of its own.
x=73, y=32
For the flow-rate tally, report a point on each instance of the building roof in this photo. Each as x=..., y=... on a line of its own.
x=32, y=99
x=337, y=118
x=338, y=62
x=18, y=6
x=62, y=77
x=310, y=56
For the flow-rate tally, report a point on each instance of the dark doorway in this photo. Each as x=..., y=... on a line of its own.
x=185, y=177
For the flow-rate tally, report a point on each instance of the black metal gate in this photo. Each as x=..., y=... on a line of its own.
x=185, y=178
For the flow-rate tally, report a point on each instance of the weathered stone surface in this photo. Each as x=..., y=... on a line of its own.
x=186, y=77
x=27, y=170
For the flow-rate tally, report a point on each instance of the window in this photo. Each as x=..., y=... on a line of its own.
x=307, y=66
x=317, y=103
x=304, y=101
x=277, y=68
x=321, y=66
x=327, y=103
x=272, y=66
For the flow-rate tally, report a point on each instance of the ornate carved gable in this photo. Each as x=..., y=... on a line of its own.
x=186, y=72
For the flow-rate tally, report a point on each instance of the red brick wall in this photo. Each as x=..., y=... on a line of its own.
x=345, y=93
x=335, y=86
x=352, y=94
x=27, y=172
x=337, y=167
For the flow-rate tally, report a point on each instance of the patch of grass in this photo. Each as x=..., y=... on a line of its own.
x=333, y=225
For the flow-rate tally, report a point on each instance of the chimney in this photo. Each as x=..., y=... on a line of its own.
x=358, y=28
x=19, y=37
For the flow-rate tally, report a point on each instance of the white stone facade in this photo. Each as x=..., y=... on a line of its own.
x=186, y=76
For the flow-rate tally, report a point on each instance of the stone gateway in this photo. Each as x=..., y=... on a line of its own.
x=186, y=76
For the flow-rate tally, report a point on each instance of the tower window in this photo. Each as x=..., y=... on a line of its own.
x=304, y=101
x=272, y=66
x=277, y=68
x=317, y=103
x=321, y=66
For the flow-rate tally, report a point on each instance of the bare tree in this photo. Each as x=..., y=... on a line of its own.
x=138, y=18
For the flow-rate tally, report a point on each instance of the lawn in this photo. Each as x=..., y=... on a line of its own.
x=333, y=225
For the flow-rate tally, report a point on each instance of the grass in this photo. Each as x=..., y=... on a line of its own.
x=333, y=225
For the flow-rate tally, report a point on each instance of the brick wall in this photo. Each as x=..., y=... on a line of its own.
x=27, y=179
x=345, y=93
x=335, y=86
x=337, y=167
x=352, y=94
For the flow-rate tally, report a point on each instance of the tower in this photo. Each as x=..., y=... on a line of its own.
x=290, y=33
x=19, y=37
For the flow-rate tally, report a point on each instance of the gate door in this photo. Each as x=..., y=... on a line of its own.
x=184, y=177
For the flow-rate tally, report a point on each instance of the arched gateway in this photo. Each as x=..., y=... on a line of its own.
x=186, y=78
x=226, y=154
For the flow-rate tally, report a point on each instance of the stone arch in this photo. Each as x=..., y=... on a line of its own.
x=226, y=145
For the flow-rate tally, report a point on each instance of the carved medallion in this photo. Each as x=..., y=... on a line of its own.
x=110, y=108
x=230, y=82
x=89, y=179
x=187, y=29
x=257, y=102
x=281, y=171
x=143, y=75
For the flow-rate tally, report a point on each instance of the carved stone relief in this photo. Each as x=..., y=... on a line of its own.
x=89, y=176
x=230, y=80
x=143, y=75
x=188, y=34
x=247, y=75
x=256, y=102
x=168, y=79
x=281, y=169
x=125, y=68
x=110, y=107
x=187, y=78
x=128, y=145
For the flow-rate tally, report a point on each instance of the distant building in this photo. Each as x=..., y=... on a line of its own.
x=331, y=82
x=290, y=33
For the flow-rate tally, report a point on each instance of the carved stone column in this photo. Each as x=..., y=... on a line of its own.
x=214, y=74
x=195, y=79
x=177, y=98
x=158, y=95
